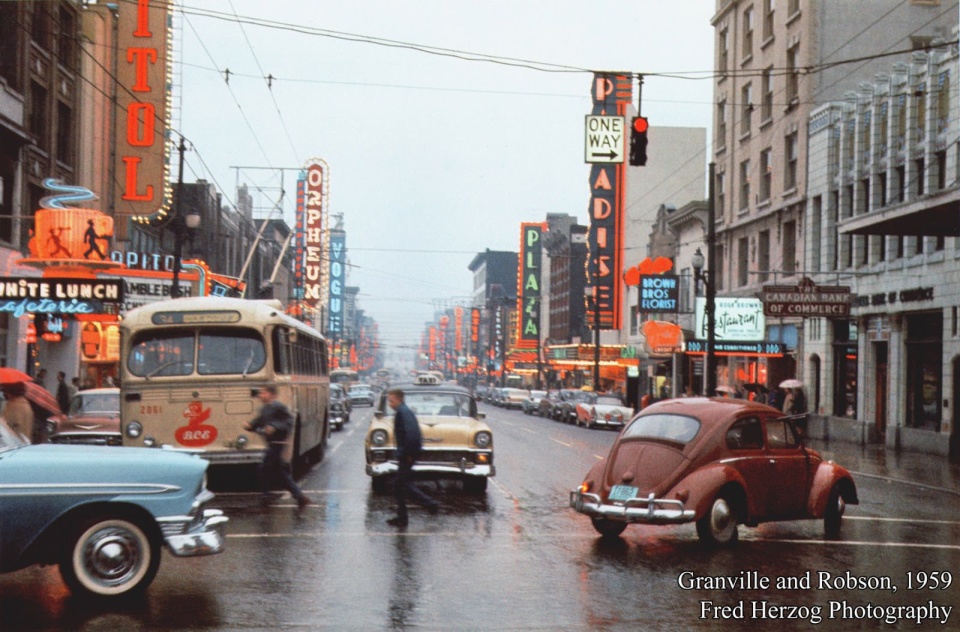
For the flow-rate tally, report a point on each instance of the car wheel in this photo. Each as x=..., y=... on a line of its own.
x=833, y=516
x=608, y=528
x=110, y=556
x=339, y=425
x=379, y=484
x=719, y=525
x=475, y=485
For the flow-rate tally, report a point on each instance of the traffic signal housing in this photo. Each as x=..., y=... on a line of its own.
x=638, y=142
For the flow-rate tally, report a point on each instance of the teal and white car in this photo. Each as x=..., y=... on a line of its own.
x=102, y=514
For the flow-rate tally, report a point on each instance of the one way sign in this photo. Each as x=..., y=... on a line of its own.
x=605, y=139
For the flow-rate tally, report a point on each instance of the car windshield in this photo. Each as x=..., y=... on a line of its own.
x=581, y=396
x=537, y=394
x=93, y=403
x=609, y=401
x=9, y=439
x=675, y=428
x=439, y=404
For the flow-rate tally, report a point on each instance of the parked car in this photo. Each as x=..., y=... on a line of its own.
x=565, y=409
x=102, y=514
x=606, y=411
x=514, y=397
x=340, y=406
x=496, y=396
x=531, y=405
x=457, y=442
x=361, y=394
x=716, y=462
x=93, y=418
x=547, y=404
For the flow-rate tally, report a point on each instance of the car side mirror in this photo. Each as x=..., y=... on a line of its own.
x=481, y=415
x=378, y=414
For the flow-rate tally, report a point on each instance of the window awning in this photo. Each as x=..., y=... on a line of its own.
x=932, y=216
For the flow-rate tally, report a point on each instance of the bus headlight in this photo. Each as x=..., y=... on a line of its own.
x=149, y=441
x=134, y=429
x=379, y=438
x=242, y=441
x=483, y=439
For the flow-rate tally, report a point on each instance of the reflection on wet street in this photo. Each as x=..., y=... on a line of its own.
x=515, y=558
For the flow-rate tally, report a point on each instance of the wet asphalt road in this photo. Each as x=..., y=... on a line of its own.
x=517, y=558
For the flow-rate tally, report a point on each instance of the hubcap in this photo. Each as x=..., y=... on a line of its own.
x=111, y=556
x=721, y=516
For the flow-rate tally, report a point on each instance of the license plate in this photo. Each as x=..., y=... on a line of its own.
x=622, y=493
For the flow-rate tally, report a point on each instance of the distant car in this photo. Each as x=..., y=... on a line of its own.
x=565, y=409
x=94, y=419
x=339, y=406
x=547, y=403
x=361, y=394
x=457, y=442
x=514, y=397
x=102, y=514
x=605, y=411
x=531, y=405
x=716, y=462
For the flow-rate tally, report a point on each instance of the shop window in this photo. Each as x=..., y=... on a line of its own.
x=924, y=371
x=845, y=368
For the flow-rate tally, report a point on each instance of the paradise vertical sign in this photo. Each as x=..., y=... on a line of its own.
x=528, y=302
x=611, y=96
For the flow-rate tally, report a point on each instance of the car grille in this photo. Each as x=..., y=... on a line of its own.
x=435, y=456
x=113, y=440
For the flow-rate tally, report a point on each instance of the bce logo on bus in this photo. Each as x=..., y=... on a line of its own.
x=196, y=433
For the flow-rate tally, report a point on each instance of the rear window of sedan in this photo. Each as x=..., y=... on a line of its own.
x=674, y=428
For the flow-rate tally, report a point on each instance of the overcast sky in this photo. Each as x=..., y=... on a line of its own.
x=432, y=158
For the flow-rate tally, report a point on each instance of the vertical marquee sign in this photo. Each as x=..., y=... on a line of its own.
x=315, y=203
x=338, y=260
x=143, y=110
x=299, y=234
x=611, y=95
x=528, y=302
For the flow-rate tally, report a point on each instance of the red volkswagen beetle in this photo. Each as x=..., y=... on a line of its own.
x=716, y=462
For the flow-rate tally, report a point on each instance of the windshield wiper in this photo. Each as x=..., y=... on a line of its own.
x=162, y=367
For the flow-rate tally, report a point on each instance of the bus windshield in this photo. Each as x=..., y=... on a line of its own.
x=218, y=352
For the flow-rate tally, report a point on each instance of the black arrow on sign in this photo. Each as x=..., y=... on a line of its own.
x=611, y=154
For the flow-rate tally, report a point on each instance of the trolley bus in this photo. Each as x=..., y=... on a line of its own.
x=192, y=368
x=344, y=377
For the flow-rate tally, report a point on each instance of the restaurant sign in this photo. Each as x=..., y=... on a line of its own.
x=20, y=296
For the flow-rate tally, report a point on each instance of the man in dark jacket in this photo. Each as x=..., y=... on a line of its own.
x=275, y=423
x=63, y=392
x=409, y=441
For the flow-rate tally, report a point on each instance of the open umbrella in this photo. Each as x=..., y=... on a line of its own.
x=755, y=387
x=41, y=397
x=9, y=375
x=791, y=383
x=726, y=389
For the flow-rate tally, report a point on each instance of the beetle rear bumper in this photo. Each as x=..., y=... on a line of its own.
x=647, y=510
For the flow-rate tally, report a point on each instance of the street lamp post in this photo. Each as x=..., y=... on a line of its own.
x=706, y=276
x=590, y=293
x=180, y=224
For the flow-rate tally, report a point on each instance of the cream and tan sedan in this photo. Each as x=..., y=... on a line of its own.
x=457, y=443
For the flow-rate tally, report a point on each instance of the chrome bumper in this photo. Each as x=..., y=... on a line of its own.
x=464, y=468
x=647, y=510
x=203, y=537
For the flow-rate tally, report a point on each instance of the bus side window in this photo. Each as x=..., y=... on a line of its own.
x=281, y=351
x=323, y=357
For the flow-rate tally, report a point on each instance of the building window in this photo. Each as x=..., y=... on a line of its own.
x=943, y=101
x=721, y=124
x=920, y=112
x=64, y=134
x=766, y=174
x=793, y=6
x=792, y=156
x=864, y=205
x=793, y=76
x=66, y=46
x=941, y=157
x=766, y=109
x=790, y=247
x=763, y=256
x=743, y=261
x=900, y=142
x=767, y=19
x=866, y=138
x=901, y=172
x=849, y=142
x=747, y=33
x=723, y=53
x=746, y=108
x=744, y=185
x=720, y=192
x=920, y=166
x=40, y=24
x=38, y=113
x=882, y=186
x=816, y=221
x=883, y=125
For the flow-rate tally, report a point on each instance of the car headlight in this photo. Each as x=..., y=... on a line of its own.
x=483, y=439
x=242, y=442
x=149, y=441
x=379, y=438
x=51, y=427
x=336, y=407
x=134, y=429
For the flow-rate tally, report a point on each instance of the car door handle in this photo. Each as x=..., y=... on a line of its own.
x=773, y=462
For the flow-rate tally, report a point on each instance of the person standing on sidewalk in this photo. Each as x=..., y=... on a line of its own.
x=406, y=434
x=275, y=423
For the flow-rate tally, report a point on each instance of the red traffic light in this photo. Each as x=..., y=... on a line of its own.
x=640, y=124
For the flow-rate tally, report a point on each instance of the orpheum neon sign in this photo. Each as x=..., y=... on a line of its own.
x=315, y=202
x=143, y=98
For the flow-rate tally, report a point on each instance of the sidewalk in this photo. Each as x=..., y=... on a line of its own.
x=878, y=460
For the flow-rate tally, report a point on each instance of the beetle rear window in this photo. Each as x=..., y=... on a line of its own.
x=675, y=428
